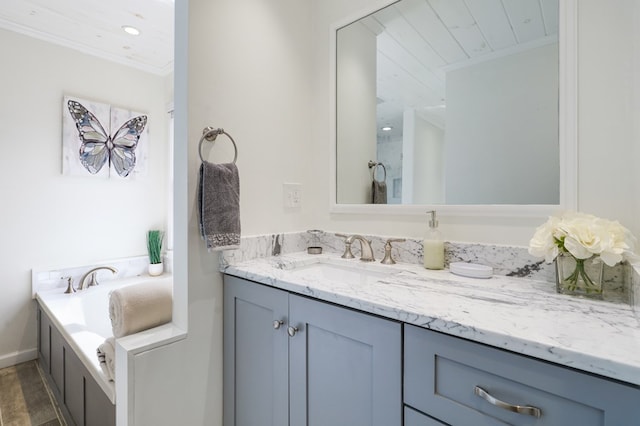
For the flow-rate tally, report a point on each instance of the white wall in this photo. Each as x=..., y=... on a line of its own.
x=248, y=71
x=356, y=91
x=51, y=220
x=607, y=77
x=428, y=169
x=506, y=106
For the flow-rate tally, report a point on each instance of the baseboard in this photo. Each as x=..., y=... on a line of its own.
x=18, y=357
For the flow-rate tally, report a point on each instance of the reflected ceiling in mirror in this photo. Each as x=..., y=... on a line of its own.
x=457, y=99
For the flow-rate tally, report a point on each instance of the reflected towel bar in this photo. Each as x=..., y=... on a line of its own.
x=374, y=165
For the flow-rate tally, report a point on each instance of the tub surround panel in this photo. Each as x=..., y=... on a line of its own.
x=505, y=260
x=521, y=315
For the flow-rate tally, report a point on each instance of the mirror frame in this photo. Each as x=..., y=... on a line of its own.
x=567, y=128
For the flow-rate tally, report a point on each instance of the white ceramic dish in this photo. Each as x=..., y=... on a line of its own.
x=471, y=270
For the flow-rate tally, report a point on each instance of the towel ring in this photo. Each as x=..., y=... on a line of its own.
x=210, y=134
x=374, y=165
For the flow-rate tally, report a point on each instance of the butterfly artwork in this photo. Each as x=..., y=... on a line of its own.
x=90, y=145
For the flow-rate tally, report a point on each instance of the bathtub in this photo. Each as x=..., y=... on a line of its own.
x=82, y=318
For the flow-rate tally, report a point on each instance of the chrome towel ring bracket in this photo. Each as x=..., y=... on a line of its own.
x=210, y=134
x=374, y=165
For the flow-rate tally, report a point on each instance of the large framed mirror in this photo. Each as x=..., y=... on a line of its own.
x=467, y=106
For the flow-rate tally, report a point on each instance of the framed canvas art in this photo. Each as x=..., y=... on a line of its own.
x=101, y=140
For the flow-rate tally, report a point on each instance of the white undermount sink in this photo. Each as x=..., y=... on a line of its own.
x=343, y=272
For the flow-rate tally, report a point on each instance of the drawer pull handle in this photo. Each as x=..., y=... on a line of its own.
x=520, y=409
x=277, y=324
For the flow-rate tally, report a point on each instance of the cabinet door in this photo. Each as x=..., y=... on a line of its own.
x=74, y=386
x=345, y=367
x=99, y=411
x=255, y=355
x=44, y=342
x=57, y=359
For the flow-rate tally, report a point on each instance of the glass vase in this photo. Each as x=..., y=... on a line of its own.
x=579, y=277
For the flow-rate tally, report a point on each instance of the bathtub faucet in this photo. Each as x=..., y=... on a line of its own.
x=93, y=280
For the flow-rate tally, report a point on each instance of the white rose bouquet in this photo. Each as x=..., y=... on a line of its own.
x=582, y=236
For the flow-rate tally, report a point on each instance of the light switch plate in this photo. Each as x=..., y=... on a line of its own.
x=292, y=195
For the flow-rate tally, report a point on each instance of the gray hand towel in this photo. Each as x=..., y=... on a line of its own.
x=378, y=192
x=219, y=205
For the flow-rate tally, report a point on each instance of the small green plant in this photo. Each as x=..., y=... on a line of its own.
x=154, y=246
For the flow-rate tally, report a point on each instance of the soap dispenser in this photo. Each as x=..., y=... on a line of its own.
x=433, y=245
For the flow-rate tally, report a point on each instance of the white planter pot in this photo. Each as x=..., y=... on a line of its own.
x=156, y=269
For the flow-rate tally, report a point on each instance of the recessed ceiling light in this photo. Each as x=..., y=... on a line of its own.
x=131, y=30
x=386, y=128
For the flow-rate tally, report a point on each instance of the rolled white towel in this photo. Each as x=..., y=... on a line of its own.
x=139, y=307
x=107, y=357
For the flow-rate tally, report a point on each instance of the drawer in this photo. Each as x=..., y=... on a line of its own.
x=442, y=375
x=416, y=418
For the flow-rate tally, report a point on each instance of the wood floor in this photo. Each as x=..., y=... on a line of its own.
x=25, y=399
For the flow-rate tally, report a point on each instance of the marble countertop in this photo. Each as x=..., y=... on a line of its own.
x=521, y=315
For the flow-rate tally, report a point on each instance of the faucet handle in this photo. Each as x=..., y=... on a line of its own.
x=347, y=247
x=93, y=280
x=396, y=240
x=70, y=288
x=388, y=259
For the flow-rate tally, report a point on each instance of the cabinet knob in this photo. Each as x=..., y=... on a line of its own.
x=292, y=331
x=520, y=409
x=277, y=324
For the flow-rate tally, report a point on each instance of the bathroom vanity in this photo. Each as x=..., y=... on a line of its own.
x=403, y=345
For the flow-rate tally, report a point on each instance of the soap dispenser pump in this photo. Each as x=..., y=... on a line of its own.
x=433, y=245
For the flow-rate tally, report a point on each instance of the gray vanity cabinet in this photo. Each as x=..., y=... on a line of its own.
x=290, y=360
x=442, y=375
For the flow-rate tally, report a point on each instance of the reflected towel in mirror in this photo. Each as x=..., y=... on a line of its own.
x=378, y=192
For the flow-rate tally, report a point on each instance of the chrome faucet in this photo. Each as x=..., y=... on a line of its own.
x=366, y=252
x=93, y=280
